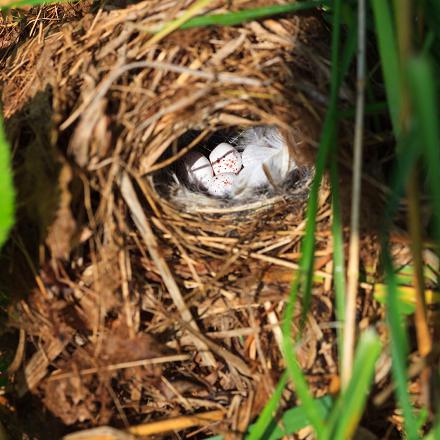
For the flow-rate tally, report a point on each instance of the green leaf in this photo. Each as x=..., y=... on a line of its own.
x=398, y=346
x=434, y=434
x=290, y=422
x=7, y=195
x=259, y=428
x=348, y=410
x=295, y=419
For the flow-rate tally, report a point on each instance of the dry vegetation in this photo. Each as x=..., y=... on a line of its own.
x=131, y=307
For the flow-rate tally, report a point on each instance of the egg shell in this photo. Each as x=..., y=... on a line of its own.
x=221, y=185
x=225, y=158
x=197, y=169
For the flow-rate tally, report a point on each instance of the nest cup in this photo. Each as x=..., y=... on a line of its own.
x=146, y=260
x=262, y=181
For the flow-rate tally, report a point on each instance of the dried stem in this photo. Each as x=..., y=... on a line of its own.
x=353, y=262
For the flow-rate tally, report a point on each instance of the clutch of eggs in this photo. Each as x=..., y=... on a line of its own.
x=227, y=173
x=216, y=175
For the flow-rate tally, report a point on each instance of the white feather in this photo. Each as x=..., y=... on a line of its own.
x=255, y=155
x=262, y=136
x=266, y=161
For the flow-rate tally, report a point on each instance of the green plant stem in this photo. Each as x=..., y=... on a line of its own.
x=338, y=255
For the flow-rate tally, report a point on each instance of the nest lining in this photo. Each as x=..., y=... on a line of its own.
x=117, y=106
x=171, y=184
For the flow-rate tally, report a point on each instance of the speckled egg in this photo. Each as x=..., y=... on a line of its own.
x=221, y=185
x=196, y=169
x=225, y=158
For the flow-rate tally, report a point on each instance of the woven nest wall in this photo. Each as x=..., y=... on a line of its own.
x=137, y=307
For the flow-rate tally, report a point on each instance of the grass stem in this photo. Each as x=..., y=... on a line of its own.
x=353, y=261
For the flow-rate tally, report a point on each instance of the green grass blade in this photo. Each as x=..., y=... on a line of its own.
x=328, y=134
x=348, y=410
x=399, y=347
x=227, y=19
x=328, y=137
x=257, y=431
x=389, y=57
x=295, y=372
x=434, y=434
x=304, y=279
x=192, y=11
x=234, y=18
x=349, y=49
x=295, y=419
x=408, y=152
x=7, y=197
x=338, y=254
x=427, y=114
x=21, y=3
x=370, y=109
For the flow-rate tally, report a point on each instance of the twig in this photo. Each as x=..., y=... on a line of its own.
x=122, y=365
x=415, y=229
x=147, y=429
x=19, y=353
x=353, y=262
x=233, y=360
x=144, y=227
x=178, y=423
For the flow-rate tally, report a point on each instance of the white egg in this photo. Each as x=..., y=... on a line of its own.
x=221, y=185
x=225, y=158
x=197, y=169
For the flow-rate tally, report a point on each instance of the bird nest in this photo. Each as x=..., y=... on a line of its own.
x=140, y=303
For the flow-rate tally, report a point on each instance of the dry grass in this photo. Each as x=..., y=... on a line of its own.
x=139, y=309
